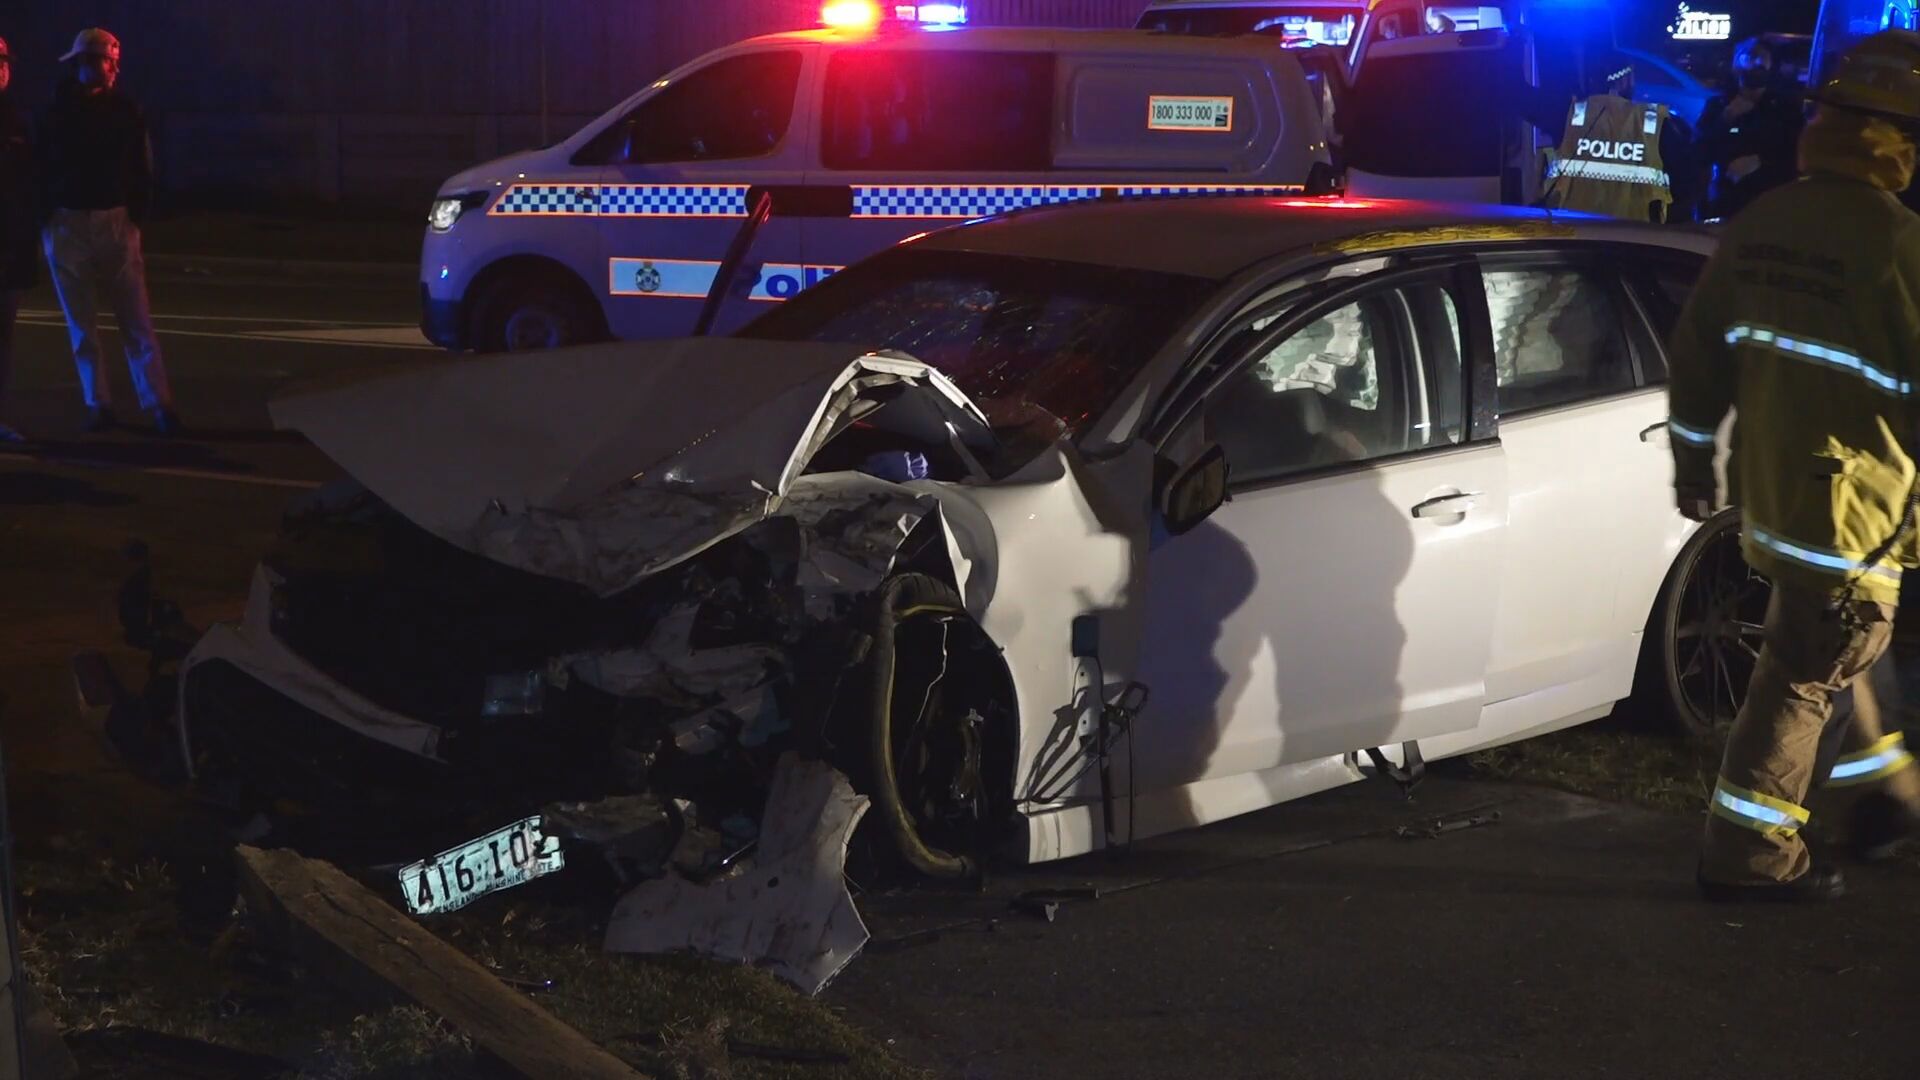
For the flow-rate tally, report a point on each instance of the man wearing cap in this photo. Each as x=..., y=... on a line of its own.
x=19, y=264
x=97, y=170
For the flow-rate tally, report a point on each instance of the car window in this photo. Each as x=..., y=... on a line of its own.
x=1378, y=377
x=1558, y=338
x=932, y=110
x=1663, y=287
x=739, y=107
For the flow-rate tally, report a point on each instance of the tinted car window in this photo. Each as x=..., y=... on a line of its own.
x=739, y=107
x=1558, y=338
x=1015, y=334
x=1663, y=287
x=944, y=111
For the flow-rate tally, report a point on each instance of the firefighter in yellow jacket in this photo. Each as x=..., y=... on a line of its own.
x=1806, y=323
x=1621, y=157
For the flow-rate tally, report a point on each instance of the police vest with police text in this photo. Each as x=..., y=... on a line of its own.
x=1609, y=161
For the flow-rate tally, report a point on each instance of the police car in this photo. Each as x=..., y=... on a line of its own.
x=862, y=133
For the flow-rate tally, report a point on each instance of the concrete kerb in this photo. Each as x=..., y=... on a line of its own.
x=230, y=266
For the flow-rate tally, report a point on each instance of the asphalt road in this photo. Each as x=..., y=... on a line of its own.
x=1310, y=940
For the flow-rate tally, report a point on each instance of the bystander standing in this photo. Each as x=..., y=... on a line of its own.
x=19, y=262
x=97, y=168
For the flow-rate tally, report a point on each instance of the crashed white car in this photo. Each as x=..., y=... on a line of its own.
x=953, y=521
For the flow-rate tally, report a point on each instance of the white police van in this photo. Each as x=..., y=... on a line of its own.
x=861, y=137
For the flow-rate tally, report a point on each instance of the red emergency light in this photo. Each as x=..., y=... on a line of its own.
x=850, y=14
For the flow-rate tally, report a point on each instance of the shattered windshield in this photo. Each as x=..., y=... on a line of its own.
x=1015, y=334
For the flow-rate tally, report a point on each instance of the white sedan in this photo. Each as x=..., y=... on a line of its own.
x=954, y=520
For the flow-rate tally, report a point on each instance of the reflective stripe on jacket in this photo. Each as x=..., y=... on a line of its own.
x=1806, y=323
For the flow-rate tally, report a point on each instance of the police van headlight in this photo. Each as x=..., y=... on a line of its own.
x=448, y=210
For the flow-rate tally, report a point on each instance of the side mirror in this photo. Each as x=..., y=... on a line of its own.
x=1194, y=491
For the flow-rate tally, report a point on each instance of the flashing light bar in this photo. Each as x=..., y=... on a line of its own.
x=850, y=14
x=867, y=14
x=931, y=14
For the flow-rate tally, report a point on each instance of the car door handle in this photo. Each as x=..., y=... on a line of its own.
x=1447, y=505
x=1647, y=433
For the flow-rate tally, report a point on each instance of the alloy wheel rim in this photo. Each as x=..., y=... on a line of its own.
x=1717, y=637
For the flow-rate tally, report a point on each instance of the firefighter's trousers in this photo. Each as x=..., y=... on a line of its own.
x=1811, y=651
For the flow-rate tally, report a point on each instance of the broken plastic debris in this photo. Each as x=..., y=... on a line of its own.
x=790, y=912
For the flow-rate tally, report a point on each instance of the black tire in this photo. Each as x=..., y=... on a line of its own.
x=524, y=312
x=1705, y=633
x=913, y=743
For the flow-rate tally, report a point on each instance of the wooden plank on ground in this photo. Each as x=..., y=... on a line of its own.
x=348, y=934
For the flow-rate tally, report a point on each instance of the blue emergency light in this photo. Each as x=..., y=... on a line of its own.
x=866, y=14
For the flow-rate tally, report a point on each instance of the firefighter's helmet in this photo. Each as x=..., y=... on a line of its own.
x=1880, y=77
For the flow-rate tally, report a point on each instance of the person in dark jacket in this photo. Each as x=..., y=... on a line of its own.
x=19, y=263
x=96, y=165
x=1751, y=138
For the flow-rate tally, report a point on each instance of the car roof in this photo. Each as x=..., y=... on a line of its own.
x=1175, y=5
x=1015, y=39
x=1218, y=236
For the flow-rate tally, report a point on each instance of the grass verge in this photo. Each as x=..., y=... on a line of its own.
x=103, y=942
x=1610, y=760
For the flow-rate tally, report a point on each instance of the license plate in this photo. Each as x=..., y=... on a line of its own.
x=499, y=860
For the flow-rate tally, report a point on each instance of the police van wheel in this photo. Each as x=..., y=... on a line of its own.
x=1706, y=631
x=521, y=314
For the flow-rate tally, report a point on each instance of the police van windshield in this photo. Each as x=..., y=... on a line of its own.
x=1015, y=334
x=1293, y=24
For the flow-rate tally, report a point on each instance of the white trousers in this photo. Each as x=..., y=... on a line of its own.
x=90, y=251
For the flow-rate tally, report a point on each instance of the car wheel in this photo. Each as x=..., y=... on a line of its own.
x=524, y=313
x=1707, y=630
x=926, y=740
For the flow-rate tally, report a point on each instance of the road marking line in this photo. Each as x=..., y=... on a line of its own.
x=284, y=337
x=14, y=457
x=56, y=314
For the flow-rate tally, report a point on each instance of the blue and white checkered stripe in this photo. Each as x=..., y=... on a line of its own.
x=962, y=200
x=676, y=200
x=1158, y=190
x=626, y=200
x=547, y=199
x=869, y=200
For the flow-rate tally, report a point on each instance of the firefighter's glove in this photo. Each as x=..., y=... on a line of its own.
x=1695, y=491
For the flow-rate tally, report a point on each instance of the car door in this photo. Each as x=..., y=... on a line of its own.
x=681, y=168
x=1344, y=597
x=1589, y=496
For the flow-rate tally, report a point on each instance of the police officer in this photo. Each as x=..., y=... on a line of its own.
x=1620, y=157
x=1750, y=136
x=1804, y=324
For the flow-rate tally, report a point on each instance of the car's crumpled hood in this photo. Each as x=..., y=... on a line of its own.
x=606, y=463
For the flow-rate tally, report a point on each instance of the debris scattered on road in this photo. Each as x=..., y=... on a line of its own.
x=1044, y=909
x=1088, y=892
x=788, y=911
x=1441, y=826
